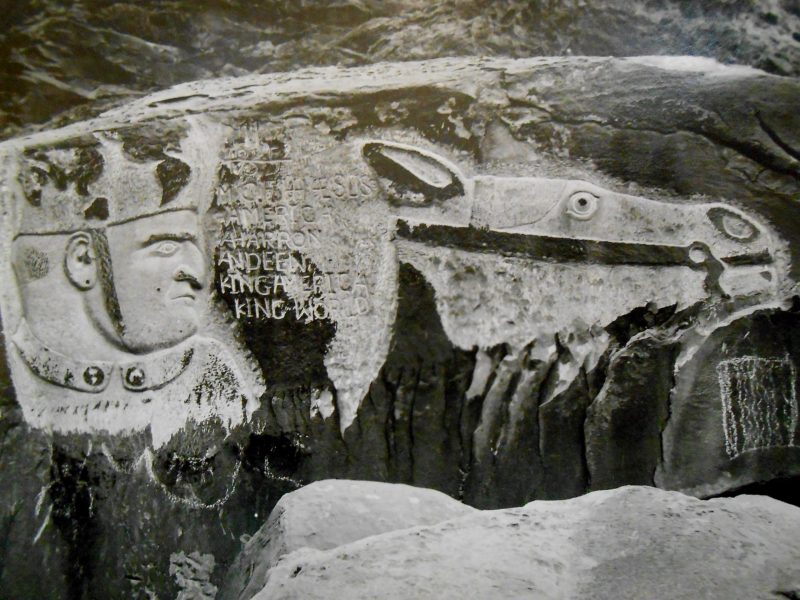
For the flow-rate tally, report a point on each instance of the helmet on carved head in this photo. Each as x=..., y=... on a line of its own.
x=110, y=177
x=122, y=207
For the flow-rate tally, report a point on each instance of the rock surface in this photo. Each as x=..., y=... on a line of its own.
x=331, y=513
x=127, y=48
x=632, y=542
x=502, y=279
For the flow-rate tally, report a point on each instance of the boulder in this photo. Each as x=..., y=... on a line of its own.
x=331, y=513
x=629, y=543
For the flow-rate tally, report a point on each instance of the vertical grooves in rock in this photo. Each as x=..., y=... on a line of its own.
x=668, y=416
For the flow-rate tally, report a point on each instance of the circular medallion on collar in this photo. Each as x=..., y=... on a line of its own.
x=93, y=376
x=134, y=377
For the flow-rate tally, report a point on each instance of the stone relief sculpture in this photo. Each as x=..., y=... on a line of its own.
x=579, y=253
x=534, y=217
x=215, y=295
x=110, y=262
x=126, y=255
x=512, y=260
x=550, y=234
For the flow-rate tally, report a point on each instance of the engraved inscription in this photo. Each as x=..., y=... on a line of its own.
x=759, y=403
x=271, y=212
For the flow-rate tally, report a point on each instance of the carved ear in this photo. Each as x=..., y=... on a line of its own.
x=80, y=263
x=411, y=176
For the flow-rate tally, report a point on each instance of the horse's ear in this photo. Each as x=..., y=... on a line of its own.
x=410, y=176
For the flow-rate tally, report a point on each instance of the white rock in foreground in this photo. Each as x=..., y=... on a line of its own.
x=632, y=542
x=327, y=514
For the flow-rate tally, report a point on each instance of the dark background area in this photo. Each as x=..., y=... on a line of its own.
x=65, y=61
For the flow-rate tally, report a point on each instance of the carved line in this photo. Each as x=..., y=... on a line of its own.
x=547, y=248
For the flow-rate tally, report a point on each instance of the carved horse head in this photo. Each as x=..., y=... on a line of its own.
x=573, y=221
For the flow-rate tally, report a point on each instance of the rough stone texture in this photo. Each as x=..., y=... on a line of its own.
x=69, y=61
x=632, y=542
x=623, y=425
x=754, y=369
x=331, y=513
x=485, y=365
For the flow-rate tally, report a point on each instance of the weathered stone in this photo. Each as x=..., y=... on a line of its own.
x=633, y=542
x=507, y=466
x=734, y=413
x=625, y=420
x=127, y=48
x=561, y=418
x=36, y=561
x=331, y=513
x=438, y=273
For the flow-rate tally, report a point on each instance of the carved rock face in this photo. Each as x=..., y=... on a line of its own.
x=221, y=292
x=159, y=275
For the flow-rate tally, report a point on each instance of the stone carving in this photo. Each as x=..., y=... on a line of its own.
x=297, y=219
x=293, y=234
x=225, y=291
x=269, y=223
x=759, y=403
x=569, y=221
x=113, y=279
x=291, y=219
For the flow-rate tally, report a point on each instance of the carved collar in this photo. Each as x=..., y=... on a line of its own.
x=149, y=372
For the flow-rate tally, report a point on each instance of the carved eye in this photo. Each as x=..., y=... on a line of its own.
x=166, y=248
x=732, y=225
x=736, y=227
x=581, y=205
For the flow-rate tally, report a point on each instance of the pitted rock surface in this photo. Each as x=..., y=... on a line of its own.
x=632, y=542
x=331, y=513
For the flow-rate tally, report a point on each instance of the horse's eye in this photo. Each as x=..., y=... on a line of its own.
x=581, y=205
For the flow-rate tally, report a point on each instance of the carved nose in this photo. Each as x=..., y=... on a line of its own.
x=185, y=275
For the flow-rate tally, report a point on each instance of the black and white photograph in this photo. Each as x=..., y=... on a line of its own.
x=399, y=300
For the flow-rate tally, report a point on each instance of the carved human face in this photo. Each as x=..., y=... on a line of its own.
x=159, y=277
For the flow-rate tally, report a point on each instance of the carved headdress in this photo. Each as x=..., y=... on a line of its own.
x=103, y=179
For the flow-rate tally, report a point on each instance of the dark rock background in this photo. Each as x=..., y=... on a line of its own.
x=63, y=61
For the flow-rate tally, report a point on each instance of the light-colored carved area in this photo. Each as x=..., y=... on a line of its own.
x=502, y=279
x=109, y=334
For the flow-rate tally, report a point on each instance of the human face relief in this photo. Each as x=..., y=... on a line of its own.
x=160, y=280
